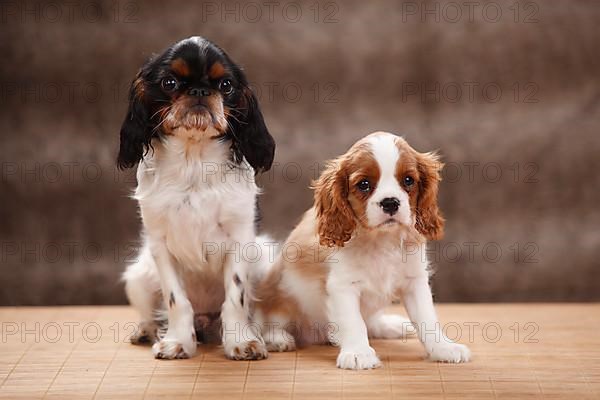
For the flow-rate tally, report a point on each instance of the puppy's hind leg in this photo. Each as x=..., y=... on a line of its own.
x=274, y=332
x=143, y=291
x=389, y=326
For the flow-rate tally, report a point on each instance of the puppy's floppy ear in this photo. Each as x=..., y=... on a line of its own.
x=136, y=132
x=429, y=220
x=335, y=218
x=250, y=134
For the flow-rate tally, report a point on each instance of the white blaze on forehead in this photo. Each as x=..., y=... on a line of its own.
x=386, y=154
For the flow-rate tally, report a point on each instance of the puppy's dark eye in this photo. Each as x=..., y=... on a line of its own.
x=364, y=186
x=409, y=181
x=226, y=87
x=169, y=84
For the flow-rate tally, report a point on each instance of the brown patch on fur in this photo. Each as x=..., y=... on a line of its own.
x=217, y=70
x=180, y=67
x=306, y=257
x=336, y=221
x=407, y=166
x=272, y=300
x=425, y=169
x=171, y=300
x=361, y=166
x=339, y=204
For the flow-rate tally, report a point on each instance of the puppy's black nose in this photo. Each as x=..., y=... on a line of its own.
x=199, y=92
x=390, y=205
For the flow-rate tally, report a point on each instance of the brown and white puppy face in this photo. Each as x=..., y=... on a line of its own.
x=381, y=183
x=193, y=90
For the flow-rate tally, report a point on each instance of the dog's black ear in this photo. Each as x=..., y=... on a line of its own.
x=250, y=135
x=136, y=132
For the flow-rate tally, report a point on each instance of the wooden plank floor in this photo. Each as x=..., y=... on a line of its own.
x=520, y=351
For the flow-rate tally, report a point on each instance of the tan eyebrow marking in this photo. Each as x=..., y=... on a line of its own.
x=180, y=67
x=217, y=70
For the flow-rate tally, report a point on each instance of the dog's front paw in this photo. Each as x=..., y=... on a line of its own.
x=450, y=352
x=169, y=349
x=246, y=350
x=361, y=359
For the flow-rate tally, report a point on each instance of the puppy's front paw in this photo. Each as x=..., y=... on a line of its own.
x=360, y=359
x=247, y=350
x=450, y=352
x=169, y=349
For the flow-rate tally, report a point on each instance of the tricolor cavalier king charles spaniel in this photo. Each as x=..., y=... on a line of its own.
x=197, y=136
x=361, y=246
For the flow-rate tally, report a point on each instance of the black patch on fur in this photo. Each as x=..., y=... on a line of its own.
x=237, y=280
x=171, y=300
x=257, y=214
x=249, y=133
x=242, y=298
x=137, y=129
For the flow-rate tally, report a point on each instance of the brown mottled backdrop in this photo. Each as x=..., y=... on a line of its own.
x=509, y=94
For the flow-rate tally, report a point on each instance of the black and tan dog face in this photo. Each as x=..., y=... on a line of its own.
x=194, y=90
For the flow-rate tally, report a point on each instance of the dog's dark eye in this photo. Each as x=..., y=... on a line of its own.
x=226, y=86
x=169, y=84
x=364, y=186
x=409, y=181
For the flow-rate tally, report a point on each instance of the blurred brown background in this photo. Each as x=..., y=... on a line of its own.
x=508, y=92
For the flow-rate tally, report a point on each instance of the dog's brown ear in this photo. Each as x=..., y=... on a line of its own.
x=429, y=220
x=335, y=218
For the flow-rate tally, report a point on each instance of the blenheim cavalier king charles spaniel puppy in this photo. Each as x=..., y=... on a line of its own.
x=361, y=246
x=197, y=136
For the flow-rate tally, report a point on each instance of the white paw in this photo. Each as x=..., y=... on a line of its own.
x=169, y=349
x=450, y=352
x=361, y=359
x=253, y=349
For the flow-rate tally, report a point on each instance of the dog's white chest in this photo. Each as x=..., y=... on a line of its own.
x=196, y=206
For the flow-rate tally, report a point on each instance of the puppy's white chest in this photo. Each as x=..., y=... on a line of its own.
x=381, y=272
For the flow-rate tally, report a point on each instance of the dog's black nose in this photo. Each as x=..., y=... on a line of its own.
x=199, y=92
x=390, y=205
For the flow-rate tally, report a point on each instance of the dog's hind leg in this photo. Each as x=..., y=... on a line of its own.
x=143, y=290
